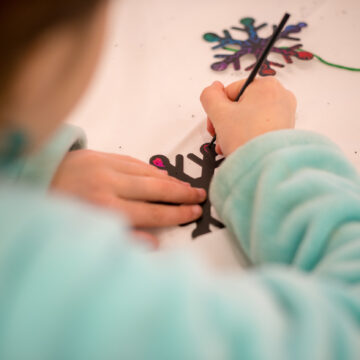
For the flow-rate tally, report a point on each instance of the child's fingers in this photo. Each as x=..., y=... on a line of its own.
x=293, y=100
x=210, y=127
x=258, y=85
x=123, y=164
x=143, y=214
x=125, y=158
x=143, y=169
x=157, y=190
x=126, y=166
x=232, y=90
x=218, y=149
x=214, y=96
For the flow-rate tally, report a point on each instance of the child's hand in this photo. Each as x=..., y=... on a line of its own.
x=128, y=185
x=265, y=106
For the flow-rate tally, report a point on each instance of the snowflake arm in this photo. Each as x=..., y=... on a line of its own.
x=223, y=41
x=229, y=59
x=249, y=28
x=292, y=29
x=196, y=159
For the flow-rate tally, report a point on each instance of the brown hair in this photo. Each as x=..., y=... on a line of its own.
x=23, y=21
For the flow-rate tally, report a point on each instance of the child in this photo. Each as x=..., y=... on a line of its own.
x=74, y=285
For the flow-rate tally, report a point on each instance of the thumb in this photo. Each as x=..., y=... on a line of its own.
x=212, y=97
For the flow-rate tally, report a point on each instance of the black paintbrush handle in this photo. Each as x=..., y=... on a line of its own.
x=264, y=55
x=261, y=60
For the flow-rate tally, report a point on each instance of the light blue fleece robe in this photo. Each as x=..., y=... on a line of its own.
x=73, y=285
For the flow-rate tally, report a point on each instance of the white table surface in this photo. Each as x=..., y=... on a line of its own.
x=144, y=99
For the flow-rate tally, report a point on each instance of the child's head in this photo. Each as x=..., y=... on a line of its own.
x=49, y=51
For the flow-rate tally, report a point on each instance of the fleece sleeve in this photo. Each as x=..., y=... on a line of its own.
x=38, y=169
x=77, y=288
x=291, y=197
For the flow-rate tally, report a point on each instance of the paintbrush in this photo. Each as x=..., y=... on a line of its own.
x=259, y=63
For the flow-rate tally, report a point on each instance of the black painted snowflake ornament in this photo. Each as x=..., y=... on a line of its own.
x=208, y=164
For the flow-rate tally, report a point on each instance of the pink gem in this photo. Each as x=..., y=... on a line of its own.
x=159, y=163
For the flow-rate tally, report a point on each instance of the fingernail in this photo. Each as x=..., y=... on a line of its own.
x=197, y=210
x=201, y=193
